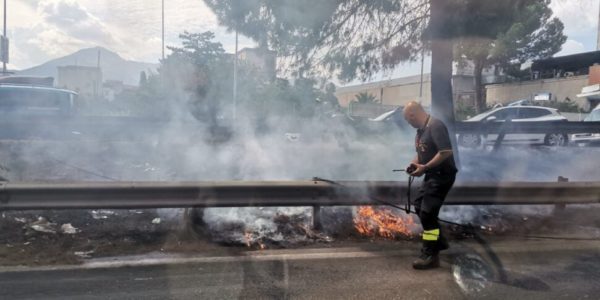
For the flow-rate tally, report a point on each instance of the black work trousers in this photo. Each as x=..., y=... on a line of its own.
x=428, y=203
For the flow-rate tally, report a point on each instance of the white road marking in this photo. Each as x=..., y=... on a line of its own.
x=259, y=256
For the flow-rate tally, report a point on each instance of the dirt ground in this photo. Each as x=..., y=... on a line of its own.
x=106, y=233
x=98, y=234
x=70, y=236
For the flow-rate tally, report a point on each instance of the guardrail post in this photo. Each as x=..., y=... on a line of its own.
x=561, y=206
x=317, y=225
x=194, y=225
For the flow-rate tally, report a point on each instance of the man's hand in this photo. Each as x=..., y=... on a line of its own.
x=419, y=170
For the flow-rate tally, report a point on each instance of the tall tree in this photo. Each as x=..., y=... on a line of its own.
x=533, y=34
x=192, y=69
x=197, y=78
x=358, y=38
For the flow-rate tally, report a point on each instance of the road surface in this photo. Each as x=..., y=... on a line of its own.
x=502, y=269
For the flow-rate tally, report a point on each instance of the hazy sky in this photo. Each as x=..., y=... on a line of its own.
x=44, y=29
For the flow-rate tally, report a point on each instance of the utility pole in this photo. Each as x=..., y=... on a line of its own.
x=422, y=65
x=163, y=29
x=598, y=34
x=235, y=71
x=423, y=41
x=4, y=40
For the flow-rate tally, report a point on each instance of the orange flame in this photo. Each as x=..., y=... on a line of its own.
x=383, y=222
x=250, y=240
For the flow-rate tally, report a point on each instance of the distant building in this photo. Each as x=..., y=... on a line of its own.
x=112, y=89
x=563, y=78
x=86, y=81
x=564, y=66
x=490, y=74
x=591, y=92
x=263, y=59
x=399, y=91
x=393, y=92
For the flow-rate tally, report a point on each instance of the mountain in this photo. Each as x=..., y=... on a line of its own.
x=113, y=66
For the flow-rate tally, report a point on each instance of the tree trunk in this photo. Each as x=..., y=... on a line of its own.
x=442, y=104
x=480, y=104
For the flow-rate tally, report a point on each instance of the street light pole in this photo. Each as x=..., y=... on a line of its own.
x=598, y=34
x=422, y=65
x=163, y=29
x=235, y=71
x=4, y=38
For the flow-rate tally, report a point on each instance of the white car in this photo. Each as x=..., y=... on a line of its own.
x=517, y=114
x=588, y=138
x=390, y=120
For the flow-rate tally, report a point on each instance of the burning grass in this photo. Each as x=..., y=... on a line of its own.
x=384, y=222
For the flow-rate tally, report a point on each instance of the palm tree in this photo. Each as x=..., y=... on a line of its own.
x=365, y=97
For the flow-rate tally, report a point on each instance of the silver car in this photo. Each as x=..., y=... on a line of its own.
x=588, y=138
x=516, y=114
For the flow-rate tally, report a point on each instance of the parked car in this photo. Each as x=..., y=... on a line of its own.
x=20, y=100
x=588, y=138
x=517, y=114
x=521, y=102
x=392, y=118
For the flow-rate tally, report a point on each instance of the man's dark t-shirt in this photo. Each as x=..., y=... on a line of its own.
x=432, y=139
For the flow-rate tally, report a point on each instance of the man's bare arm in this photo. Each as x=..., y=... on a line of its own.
x=434, y=162
x=439, y=158
x=415, y=160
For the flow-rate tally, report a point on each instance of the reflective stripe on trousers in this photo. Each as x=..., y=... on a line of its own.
x=431, y=235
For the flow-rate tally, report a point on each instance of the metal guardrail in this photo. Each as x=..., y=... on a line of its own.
x=121, y=195
x=527, y=127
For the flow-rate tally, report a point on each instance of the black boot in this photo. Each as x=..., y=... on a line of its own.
x=429, y=258
x=442, y=243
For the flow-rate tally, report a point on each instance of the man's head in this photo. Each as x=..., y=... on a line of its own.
x=415, y=115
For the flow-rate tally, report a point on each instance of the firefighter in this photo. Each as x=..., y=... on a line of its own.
x=435, y=160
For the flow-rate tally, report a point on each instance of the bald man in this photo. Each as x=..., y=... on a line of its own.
x=435, y=160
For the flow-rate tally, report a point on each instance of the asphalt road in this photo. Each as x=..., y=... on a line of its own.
x=509, y=269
